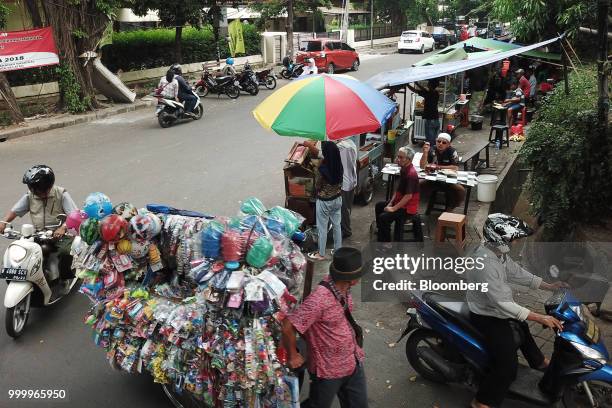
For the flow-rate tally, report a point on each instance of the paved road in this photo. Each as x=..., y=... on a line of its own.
x=208, y=165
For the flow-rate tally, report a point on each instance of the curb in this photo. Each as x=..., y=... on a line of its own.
x=71, y=120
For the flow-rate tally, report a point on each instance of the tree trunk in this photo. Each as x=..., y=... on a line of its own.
x=178, y=51
x=9, y=97
x=603, y=105
x=34, y=11
x=289, y=27
x=68, y=18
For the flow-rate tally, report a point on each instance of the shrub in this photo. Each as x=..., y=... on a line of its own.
x=570, y=181
x=142, y=49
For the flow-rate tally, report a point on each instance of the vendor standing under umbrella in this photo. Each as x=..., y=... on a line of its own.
x=430, y=109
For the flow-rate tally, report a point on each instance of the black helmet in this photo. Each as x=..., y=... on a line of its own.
x=39, y=178
x=177, y=69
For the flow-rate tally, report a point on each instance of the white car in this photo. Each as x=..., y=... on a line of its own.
x=414, y=40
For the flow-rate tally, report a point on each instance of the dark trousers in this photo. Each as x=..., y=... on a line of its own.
x=347, y=205
x=189, y=101
x=500, y=341
x=351, y=391
x=385, y=219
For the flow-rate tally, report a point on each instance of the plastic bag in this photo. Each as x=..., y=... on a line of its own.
x=291, y=220
x=252, y=206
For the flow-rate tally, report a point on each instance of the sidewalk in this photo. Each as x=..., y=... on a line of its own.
x=37, y=124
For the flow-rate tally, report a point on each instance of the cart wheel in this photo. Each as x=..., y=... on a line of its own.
x=367, y=193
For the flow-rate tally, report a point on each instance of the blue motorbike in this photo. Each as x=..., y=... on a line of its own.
x=444, y=347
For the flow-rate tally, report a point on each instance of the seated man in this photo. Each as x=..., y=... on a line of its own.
x=405, y=202
x=311, y=68
x=442, y=157
x=515, y=103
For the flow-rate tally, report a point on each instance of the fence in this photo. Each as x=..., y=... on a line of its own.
x=363, y=34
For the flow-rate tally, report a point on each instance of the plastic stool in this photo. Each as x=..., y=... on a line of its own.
x=499, y=135
x=457, y=222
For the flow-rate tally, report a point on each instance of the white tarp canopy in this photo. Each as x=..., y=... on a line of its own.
x=404, y=76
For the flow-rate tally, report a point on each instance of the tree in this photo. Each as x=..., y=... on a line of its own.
x=544, y=19
x=78, y=26
x=275, y=8
x=174, y=14
x=5, y=87
x=395, y=11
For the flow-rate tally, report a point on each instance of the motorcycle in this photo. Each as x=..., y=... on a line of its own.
x=265, y=78
x=291, y=70
x=169, y=111
x=247, y=81
x=444, y=347
x=32, y=270
x=220, y=85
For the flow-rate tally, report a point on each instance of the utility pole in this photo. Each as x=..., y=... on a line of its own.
x=289, y=27
x=603, y=69
x=372, y=24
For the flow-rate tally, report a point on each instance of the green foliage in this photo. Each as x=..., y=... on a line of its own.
x=570, y=182
x=541, y=18
x=4, y=12
x=71, y=90
x=78, y=33
x=173, y=13
x=142, y=49
x=276, y=8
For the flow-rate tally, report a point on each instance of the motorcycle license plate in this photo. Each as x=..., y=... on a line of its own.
x=16, y=274
x=592, y=331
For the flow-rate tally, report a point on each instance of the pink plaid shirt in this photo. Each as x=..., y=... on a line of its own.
x=332, y=349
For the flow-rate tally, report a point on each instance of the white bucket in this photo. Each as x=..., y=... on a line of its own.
x=487, y=185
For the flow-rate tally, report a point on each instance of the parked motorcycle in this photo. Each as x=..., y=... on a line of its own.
x=444, y=347
x=247, y=81
x=220, y=85
x=168, y=111
x=291, y=70
x=31, y=268
x=266, y=78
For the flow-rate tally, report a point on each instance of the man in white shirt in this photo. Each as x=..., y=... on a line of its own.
x=311, y=68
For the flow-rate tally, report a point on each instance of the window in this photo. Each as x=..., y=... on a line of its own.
x=313, y=46
x=409, y=34
x=334, y=46
x=346, y=47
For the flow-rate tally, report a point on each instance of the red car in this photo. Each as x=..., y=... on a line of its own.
x=329, y=55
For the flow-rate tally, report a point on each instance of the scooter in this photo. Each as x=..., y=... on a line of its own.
x=291, y=70
x=265, y=78
x=444, y=347
x=220, y=85
x=247, y=81
x=168, y=111
x=32, y=271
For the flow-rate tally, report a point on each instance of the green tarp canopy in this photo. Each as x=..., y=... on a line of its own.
x=487, y=46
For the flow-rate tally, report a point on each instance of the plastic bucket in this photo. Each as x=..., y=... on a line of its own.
x=487, y=185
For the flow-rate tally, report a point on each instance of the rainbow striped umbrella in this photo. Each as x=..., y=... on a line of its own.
x=324, y=107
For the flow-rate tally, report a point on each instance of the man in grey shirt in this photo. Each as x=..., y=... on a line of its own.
x=348, y=155
x=496, y=315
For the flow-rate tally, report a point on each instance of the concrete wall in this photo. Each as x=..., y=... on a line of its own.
x=510, y=187
x=50, y=89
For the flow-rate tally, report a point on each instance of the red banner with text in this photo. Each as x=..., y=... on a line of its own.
x=27, y=49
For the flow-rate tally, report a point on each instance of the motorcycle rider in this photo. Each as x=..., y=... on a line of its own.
x=185, y=93
x=498, y=317
x=45, y=201
x=228, y=69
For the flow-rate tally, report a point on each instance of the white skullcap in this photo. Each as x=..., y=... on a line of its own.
x=444, y=136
